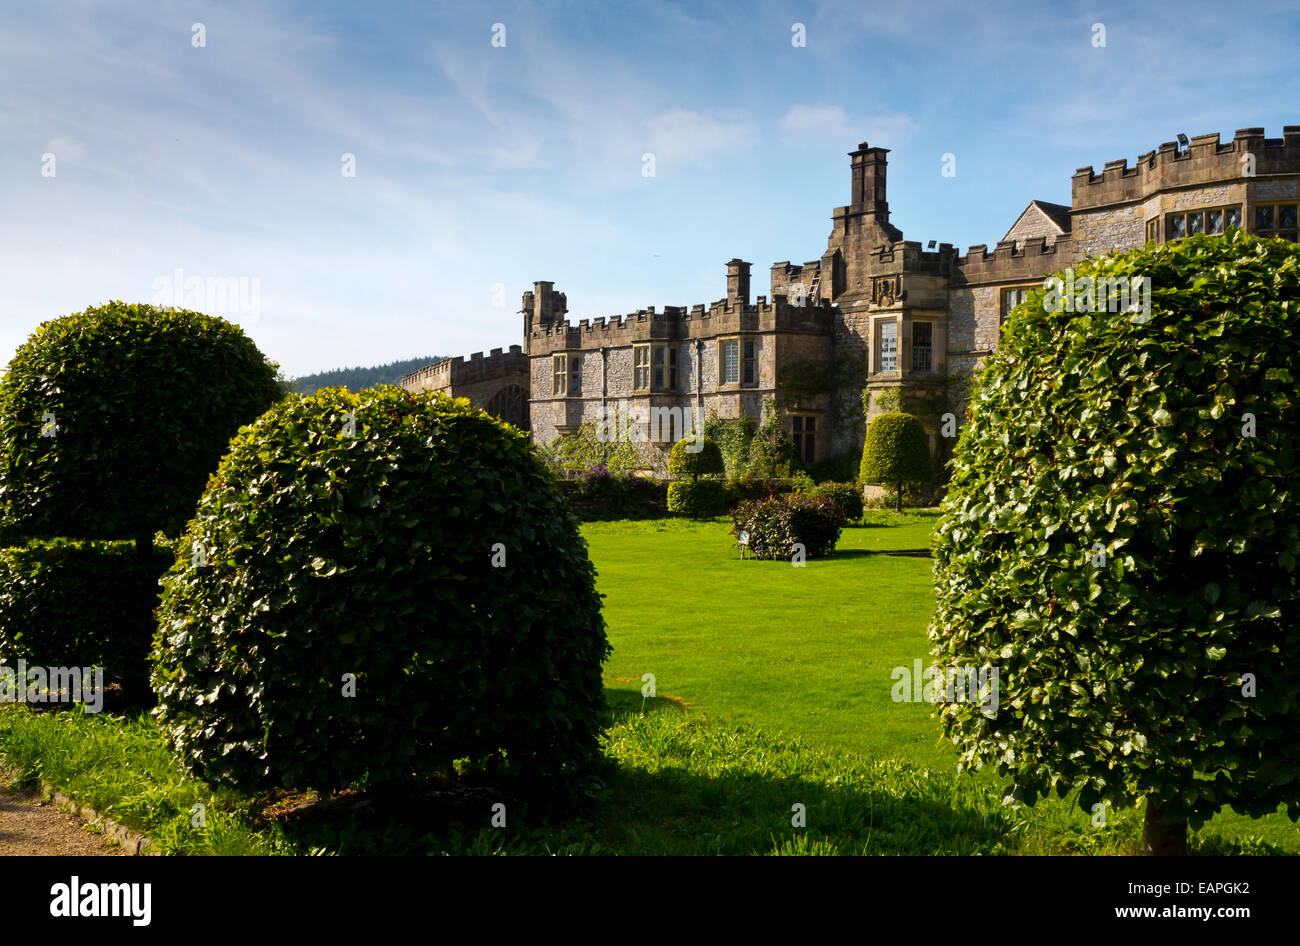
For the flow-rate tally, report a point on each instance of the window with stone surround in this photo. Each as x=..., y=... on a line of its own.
x=1209, y=220
x=663, y=362
x=1276, y=220
x=654, y=367
x=887, y=345
x=1012, y=297
x=804, y=432
x=641, y=367
x=575, y=375
x=922, y=346
x=749, y=362
x=560, y=376
x=728, y=361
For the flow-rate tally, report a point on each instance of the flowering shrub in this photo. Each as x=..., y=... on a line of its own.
x=845, y=495
x=774, y=526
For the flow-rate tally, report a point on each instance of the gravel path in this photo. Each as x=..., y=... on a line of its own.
x=29, y=826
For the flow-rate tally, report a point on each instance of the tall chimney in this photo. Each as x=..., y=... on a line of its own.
x=737, y=282
x=868, y=181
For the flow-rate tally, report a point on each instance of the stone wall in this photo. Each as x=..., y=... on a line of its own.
x=1104, y=231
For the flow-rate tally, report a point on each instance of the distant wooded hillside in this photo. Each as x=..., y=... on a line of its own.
x=357, y=379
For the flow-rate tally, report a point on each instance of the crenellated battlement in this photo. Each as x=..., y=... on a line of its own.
x=909, y=256
x=1006, y=253
x=681, y=322
x=1205, y=160
x=459, y=370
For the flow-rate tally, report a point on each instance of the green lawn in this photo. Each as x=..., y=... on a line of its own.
x=807, y=651
x=774, y=692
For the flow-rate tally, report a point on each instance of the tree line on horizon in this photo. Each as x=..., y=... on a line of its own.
x=359, y=379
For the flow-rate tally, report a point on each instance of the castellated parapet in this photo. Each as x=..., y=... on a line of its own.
x=1206, y=160
x=1008, y=263
x=477, y=368
x=679, y=323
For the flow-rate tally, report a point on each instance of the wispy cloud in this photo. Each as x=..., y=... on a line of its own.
x=480, y=166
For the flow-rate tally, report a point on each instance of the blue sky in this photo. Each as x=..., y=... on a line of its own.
x=480, y=167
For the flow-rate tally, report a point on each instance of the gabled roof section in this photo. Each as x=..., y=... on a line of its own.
x=1040, y=219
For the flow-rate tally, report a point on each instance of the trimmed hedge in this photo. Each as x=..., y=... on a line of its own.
x=705, y=461
x=775, y=525
x=896, y=452
x=81, y=604
x=1121, y=536
x=600, y=494
x=698, y=499
x=112, y=419
x=392, y=582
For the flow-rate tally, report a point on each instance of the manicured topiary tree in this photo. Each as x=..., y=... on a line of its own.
x=112, y=419
x=896, y=453
x=1120, y=540
x=375, y=585
x=695, y=456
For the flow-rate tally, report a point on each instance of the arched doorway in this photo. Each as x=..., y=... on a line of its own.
x=511, y=405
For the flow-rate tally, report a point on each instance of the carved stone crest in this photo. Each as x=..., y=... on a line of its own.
x=885, y=290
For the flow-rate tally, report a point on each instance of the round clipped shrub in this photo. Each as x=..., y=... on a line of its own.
x=81, y=604
x=375, y=585
x=775, y=526
x=845, y=495
x=1120, y=539
x=112, y=419
x=896, y=453
x=698, y=499
x=695, y=457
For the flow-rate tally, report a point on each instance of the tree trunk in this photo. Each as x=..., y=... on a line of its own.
x=898, y=498
x=1160, y=839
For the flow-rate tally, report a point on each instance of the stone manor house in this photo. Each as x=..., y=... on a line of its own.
x=874, y=311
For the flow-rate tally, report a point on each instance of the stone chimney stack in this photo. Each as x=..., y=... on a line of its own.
x=543, y=305
x=541, y=308
x=868, y=182
x=737, y=282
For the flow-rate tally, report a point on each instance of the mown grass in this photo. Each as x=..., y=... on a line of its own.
x=773, y=690
x=805, y=650
x=682, y=785
x=808, y=652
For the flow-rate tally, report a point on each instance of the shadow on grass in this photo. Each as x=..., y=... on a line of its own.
x=871, y=553
x=684, y=786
